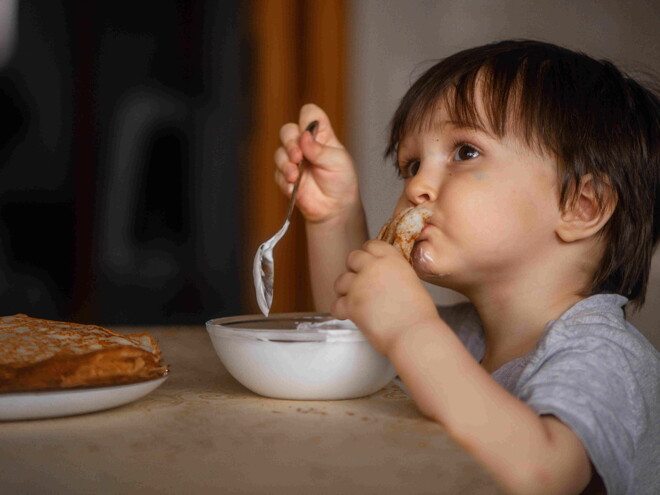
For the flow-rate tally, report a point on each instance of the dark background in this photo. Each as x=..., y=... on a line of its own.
x=121, y=126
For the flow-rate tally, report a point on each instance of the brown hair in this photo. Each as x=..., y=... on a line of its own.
x=594, y=119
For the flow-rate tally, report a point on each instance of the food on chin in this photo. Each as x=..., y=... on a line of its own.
x=403, y=229
x=38, y=354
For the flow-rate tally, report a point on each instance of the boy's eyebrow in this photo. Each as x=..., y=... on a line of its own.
x=468, y=126
x=456, y=125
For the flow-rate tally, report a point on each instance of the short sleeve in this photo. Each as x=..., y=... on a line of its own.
x=602, y=382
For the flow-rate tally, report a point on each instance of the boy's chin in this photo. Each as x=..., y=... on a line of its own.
x=433, y=278
x=424, y=265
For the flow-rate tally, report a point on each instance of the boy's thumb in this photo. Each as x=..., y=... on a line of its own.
x=312, y=149
x=323, y=156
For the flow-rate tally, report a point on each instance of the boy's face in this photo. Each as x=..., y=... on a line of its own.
x=494, y=202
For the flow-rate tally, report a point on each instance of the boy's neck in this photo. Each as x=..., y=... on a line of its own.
x=516, y=307
x=514, y=323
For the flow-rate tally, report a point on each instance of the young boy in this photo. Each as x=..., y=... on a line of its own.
x=541, y=168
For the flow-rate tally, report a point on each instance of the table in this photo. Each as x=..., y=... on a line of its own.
x=202, y=432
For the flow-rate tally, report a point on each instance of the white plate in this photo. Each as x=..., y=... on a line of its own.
x=33, y=405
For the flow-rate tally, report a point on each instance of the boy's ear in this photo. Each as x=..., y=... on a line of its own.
x=584, y=216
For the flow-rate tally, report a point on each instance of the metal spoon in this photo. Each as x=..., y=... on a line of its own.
x=263, y=268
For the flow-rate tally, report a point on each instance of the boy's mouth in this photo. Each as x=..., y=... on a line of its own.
x=422, y=236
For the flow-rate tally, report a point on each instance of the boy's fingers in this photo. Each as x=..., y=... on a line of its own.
x=285, y=186
x=324, y=132
x=339, y=309
x=300, y=144
x=378, y=248
x=343, y=283
x=289, y=136
x=322, y=156
x=356, y=260
x=288, y=170
x=280, y=157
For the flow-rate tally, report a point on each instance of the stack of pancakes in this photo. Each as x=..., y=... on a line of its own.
x=40, y=354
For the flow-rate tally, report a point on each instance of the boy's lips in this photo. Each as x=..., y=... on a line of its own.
x=421, y=236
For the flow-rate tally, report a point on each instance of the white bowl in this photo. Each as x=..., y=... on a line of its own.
x=300, y=356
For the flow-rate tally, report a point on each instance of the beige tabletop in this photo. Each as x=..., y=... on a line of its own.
x=202, y=432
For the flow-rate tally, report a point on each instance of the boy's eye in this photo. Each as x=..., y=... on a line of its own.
x=466, y=152
x=409, y=169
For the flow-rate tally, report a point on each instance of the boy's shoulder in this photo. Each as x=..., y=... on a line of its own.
x=597, y=323
x=597, y=326
x=594, y=339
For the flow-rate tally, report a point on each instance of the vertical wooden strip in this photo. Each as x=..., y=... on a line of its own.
x=325, y=58
x=324, y=78
x=297, y=50
x=272, y=97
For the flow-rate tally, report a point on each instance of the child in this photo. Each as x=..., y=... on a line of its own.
x=541, y=167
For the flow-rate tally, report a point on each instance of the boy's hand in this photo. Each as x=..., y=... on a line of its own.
x=329, y=185
x=382, y=295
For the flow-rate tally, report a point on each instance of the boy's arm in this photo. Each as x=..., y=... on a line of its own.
x=524, y=452
x=328, y=197
x=328, y=245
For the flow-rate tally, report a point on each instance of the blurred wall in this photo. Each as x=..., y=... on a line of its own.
x=393, y=41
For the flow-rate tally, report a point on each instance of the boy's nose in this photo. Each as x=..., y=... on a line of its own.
x=422, y=188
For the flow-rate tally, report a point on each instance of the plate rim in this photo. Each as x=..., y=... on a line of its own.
x=48, y=404
x=44, y=392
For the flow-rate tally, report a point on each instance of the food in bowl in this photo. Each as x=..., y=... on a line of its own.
x=299, y=356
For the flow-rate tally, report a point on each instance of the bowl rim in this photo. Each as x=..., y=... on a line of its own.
x=221, y=327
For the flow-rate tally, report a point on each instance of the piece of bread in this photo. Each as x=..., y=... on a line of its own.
x=40, y=354
x=404, y=228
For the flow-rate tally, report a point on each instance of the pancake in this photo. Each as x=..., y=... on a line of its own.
x=404, y=228
x=38, y=354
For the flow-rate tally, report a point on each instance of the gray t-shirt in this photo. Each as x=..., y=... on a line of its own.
x=596, y=373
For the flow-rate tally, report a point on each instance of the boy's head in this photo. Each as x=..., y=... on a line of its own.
x=597, y=123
